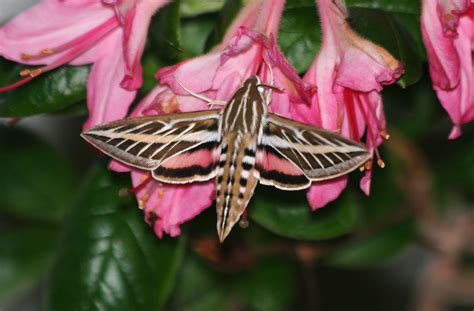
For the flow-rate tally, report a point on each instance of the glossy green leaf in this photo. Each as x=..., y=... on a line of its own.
x=395, y=38
x=299, y=34
x=26, y=252
x=198, y=288
x=36, y=182
x=52, y=91
x=164, y=33
x=224, y=19
x=110, y=259
x=407, y=12
x=291, y=215
x=269, y=285
x=379, y=248
x=195, y=7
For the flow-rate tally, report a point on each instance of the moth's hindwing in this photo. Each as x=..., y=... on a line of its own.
x=177, y=148
x=317, y=153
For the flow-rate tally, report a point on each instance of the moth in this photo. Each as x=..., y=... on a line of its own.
x=240, y=145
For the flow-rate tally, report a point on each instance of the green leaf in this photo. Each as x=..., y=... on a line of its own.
x=110, y=258
x=190, y=8
x=36, y=182
x=224, y=19
x=377, y=249
x=195, y=32
x=26, y=252
x=198, y=287
x=407, y=12
x=52, y=91
x=270, y=285
x=299, y=34
x=164, y=33
x=394, y=37
x=291, y=215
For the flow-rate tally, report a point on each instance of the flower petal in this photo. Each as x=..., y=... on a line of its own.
x=442, y=56
x=50, y=24
x=106, y=99
x=324, y=192
x=137, y=21
x=173, y=205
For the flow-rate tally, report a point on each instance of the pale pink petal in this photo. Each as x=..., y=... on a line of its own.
x=136, y=26
x=50, y=24
x=196, y=74
x=169, y=206
x=442, y=56
x=365, y=182
x=106, y=100
x=448, y=34
x=246, y=18
x=324, y=192
x=449, y=12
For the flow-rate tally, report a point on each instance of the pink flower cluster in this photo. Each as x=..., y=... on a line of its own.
x=340, y=91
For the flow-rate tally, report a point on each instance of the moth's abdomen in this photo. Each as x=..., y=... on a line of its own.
x=236, y=180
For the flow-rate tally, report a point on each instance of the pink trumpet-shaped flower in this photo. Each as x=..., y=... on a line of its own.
x=448, y=33
x=349, y=72
x=216, y=75
x=110, y=34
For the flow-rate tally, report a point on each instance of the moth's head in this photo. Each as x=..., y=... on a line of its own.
x=252, y=81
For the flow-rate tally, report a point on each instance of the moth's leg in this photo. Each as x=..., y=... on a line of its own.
x=209, y=101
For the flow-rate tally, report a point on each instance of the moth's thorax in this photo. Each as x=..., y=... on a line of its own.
x=246, y=111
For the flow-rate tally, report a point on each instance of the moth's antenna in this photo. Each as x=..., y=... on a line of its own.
x=272, y=86
x=208, y=100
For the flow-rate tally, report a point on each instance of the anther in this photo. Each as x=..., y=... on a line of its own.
x=381, y=163
x=47, y=52
x=25, y=56
x=32, y=73
x=25, y=72
x=368, y=165
x=384, y=134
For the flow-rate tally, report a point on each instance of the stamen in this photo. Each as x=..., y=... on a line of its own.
x=368, y=165
x=127, y=191
x=42, y=53
x=15, y=85
x=32, y=73
x=76, y=48
x=385, y=135
x=353, y=124
x=382, y=131
x=370, y=134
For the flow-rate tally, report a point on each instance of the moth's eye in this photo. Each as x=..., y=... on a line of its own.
x=260, y=89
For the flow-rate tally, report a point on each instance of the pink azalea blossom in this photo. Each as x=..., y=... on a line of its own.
x=110, y=34
x=216, y=75
x=349, y=72
x=448, y=33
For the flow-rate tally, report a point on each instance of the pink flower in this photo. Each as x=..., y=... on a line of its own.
x=216, y=75
x=349, y=72
x=110, y=34
x=448, y=33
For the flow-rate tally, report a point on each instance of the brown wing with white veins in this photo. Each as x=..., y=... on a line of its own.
x=177, y=148
x=317, y=153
